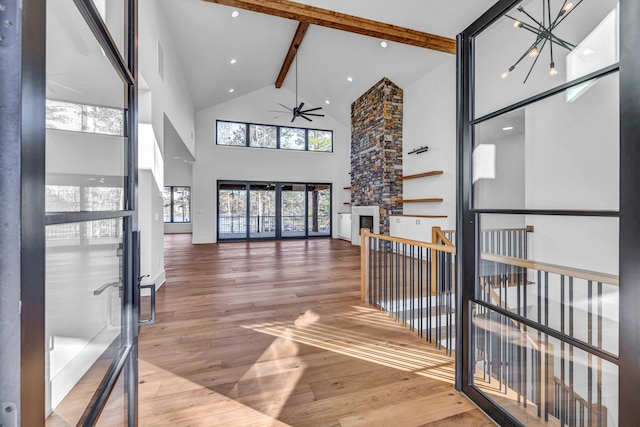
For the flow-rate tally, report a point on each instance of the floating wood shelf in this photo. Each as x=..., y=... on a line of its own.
x=420, y=216
x=420, y=175
x=347, y=188
x=432, y=200
x=346, y=203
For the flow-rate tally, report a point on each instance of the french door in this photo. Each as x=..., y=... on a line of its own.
x=73, y=63
x=273, y=210
x=548, y=137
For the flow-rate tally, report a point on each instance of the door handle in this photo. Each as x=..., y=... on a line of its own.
x=152, y=317
x=104, y=287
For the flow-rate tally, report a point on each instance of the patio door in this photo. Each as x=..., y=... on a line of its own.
x=273, y=210
x=73, y=63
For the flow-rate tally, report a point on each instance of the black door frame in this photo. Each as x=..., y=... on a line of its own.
x=629, y=214
x=278, y=191
x=24, y=61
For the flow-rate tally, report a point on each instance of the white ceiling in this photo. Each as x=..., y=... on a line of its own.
x=207, y=38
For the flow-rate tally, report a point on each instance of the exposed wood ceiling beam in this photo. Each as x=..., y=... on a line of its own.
x=340, y=21
x=293, y=49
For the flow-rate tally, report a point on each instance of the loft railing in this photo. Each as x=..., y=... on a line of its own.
x=501, y=241
x=412, y=281
x=562, y=380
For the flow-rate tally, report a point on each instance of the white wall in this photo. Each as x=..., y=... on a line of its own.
x=170, y=95
x=151, y=229
x=178, y=173
x=430, y=119
x=222, y=162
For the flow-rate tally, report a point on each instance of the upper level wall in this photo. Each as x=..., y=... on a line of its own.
x=430, y=120
x=169, y=94
x=215, y=163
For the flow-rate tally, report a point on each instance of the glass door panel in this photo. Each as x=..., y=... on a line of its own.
x=85, y=118
x=115, y=412
x=232, y=211
x=262, y=216
x=293, y=210
x=319, y=209
x=83, y=314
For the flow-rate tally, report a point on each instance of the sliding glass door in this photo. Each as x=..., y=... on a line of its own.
x=270, y=210
x=262, y=211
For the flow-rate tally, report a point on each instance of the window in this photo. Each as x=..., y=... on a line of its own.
x=272, y=136
x=263, y=136
x=320, y=140
x=177, y=204
x=292, y=138
x=84, y=118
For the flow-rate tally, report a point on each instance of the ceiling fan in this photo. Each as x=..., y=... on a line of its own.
x=297, y=110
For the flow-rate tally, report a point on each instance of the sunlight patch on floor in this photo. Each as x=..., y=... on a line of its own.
x=420, y=358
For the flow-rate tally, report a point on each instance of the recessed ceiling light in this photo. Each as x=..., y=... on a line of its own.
x=235, y=14
x=327, y=102
x=231, y=90
x=383, y=44
x=233, y=61
x=350, y=79
x=588, y=52
x=507, y=128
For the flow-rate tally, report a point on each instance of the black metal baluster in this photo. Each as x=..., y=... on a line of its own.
x=412, y=292
x=563, y=403
x=599, y=359
x=420, y=314
x=589, y=356
x=572, y=408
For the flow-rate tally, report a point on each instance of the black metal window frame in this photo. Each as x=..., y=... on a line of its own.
x=278, y=127
x=171, y=188
x=32, y=44
x=467, y=241
x=278, y=186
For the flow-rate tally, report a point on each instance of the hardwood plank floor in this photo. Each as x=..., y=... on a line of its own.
x=274, y=334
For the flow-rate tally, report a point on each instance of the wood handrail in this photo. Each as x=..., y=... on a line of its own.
x=578, y=273
x=425, y=245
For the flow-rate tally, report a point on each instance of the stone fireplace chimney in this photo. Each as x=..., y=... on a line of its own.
x=376, y=150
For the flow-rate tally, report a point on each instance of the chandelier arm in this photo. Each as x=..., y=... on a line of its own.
x=555, y=22
x=521, y=9
x=567, y=14
x=562, y=43
x=526, y=52
x=534, y=61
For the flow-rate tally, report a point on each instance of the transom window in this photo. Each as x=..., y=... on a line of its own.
x=272, y=136
x=84, y=118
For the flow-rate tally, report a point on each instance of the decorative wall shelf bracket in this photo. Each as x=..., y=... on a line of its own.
x=419, y=150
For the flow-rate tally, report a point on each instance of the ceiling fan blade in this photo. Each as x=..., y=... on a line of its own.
x=293, y=118
x=314, y=114
x=277, y=111
x=306, y=118
x=287, y=108
x=300, y=106
x=311, y=109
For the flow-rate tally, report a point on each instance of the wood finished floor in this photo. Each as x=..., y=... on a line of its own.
x=274, y=334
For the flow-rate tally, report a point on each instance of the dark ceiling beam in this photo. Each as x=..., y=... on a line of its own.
x=291, y=54
x=340, y=21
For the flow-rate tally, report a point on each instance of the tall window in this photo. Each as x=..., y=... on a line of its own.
x=271, y=136
x=177, y=204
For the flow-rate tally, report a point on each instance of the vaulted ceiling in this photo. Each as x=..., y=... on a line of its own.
x=207, y=38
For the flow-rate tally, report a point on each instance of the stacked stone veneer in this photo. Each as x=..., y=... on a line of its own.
x=376, y=150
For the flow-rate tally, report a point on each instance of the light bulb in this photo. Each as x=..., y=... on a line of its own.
x=552, y=70
x=504, y=75
x=517, y=24
x=533, y=52
x=567, y=7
